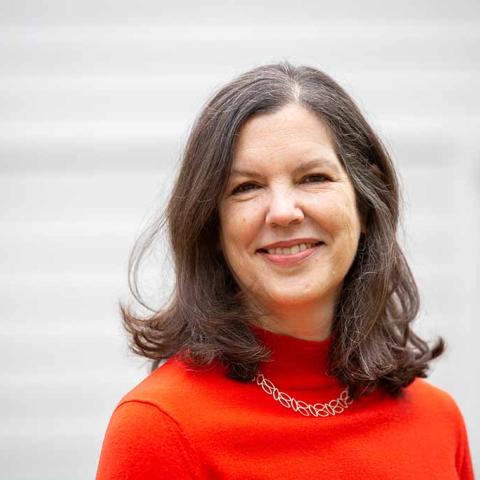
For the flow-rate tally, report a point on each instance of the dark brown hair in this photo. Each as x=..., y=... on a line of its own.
x=205, y=319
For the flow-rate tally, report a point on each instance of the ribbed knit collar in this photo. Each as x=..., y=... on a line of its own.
x=296, y=363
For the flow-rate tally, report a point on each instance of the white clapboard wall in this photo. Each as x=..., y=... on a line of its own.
x=96, y=99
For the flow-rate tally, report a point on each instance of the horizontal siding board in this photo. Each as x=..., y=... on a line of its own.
x=100, y=50
x=154, y=150
x=72, y=352
x=62, y=302
x=63, y=253
x=55, y=253
x=64, y=396
x=126, y=198
x=64, y=305
x=55, y=455
x=154, y=99
x=63, y=12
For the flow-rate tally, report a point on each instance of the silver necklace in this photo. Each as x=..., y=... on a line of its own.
x=333, y=407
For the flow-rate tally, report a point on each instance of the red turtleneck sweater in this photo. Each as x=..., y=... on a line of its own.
x=198, y=424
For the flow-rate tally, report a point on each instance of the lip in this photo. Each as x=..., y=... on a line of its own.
x=289, y=243
x=290, y=260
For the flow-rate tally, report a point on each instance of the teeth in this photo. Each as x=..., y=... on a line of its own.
x=290, y=250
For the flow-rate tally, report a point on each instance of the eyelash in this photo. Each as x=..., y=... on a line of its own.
x=239, y=188
x=316, y=175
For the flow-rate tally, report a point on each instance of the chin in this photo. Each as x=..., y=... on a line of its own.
x=287, y=297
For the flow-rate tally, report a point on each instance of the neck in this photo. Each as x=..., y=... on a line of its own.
x=296, y=363
x=305, y=322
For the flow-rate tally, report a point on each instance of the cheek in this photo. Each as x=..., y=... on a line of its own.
x=239, y=226
x=237, y=237
x=230, y=244
x=340, y=217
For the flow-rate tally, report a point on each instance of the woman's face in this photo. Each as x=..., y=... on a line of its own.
x=289, y=225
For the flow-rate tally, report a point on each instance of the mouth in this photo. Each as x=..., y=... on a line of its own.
x=291, y=256
x=291, y=250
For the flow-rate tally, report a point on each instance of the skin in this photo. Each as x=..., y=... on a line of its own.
x=269, y=199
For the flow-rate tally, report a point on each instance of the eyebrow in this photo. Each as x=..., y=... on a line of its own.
x=316, y=162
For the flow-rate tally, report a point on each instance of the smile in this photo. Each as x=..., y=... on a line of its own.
x=290, y=250
x=286, y=256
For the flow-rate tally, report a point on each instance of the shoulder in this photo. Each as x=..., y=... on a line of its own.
x=438, y=401
x=188, y=395
x=443, y=413
x=177, y=386
x=147, y=443
x=145, y=434
x=439, y=412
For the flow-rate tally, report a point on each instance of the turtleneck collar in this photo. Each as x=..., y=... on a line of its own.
x=296, y=363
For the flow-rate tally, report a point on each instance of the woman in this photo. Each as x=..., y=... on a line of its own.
x=287, y=344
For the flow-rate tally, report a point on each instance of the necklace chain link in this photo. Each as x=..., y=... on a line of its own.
x=333, y=407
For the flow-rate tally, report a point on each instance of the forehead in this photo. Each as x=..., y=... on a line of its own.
x=292, y=130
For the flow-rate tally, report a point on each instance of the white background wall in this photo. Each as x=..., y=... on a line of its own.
x=96, y=98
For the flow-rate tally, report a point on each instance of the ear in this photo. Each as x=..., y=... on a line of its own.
x=363, y=215
x=363, y=226
x=361, y=247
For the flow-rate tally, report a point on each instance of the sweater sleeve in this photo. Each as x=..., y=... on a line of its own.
x=142, y=442
x=464, y=459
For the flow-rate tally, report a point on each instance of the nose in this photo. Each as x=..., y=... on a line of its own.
x=283, y=209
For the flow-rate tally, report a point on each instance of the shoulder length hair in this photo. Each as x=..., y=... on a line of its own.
x=374, y=345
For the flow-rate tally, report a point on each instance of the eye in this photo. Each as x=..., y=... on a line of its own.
x=315, y=178
x=244, y=187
